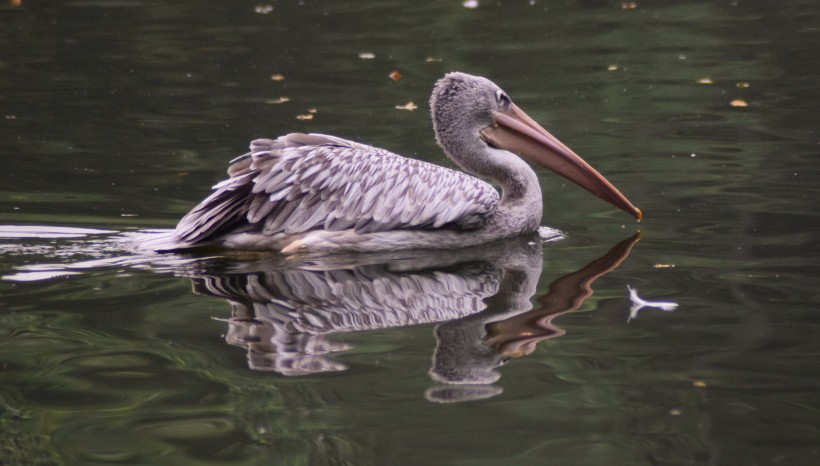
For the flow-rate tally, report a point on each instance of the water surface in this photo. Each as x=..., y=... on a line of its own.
x=116, y=116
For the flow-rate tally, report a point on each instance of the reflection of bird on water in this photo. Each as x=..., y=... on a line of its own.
x=312, y=192
x=509, y=327
x=282, y=312
x=480, y=297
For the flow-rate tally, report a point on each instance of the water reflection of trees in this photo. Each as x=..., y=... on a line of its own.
x=283, y=313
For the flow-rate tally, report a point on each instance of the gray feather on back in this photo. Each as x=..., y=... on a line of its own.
x=303, y=182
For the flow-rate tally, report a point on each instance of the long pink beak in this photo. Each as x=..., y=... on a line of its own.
x=516, y=132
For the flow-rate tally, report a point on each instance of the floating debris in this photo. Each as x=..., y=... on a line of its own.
x=433, y=60
x=394, y=75
x=699, y=383
x=742, y=85
x=263, y=9
x=280, y=100
x=277, y=77
x=471, y=4
x=638, y=304
x=409, y=106
x=304, y=116
x=11, y=117
x=367, y=55
x=705, y=81
x=739, y=103
x=629, y=5
x=664, y=266
x=612, y=67
x=312, y=110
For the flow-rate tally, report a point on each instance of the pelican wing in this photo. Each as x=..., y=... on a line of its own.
x=303, y=182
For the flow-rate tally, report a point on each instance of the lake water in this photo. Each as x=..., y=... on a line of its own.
x=117, y=117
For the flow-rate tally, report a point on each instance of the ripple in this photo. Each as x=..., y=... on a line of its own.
x=38, y=231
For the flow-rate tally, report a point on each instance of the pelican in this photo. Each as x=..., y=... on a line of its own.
x=320, y=193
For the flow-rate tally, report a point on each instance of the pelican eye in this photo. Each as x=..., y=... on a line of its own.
x=503, y=99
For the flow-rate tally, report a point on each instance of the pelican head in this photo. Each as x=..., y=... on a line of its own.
x=474, y=120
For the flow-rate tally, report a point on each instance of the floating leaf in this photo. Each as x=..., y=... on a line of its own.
x=699, y=383
x=742, y=85
x=367, y=55
x=395, y=75
x=277, y=77
x=612, y=67
x=705, y=81
x=738, y=103
x=409, y=106
x=432, y=60
x=280, y=100
x=629, y=5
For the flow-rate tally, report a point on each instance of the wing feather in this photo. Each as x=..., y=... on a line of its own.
x=303, y=182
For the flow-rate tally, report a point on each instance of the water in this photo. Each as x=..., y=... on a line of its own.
x=117, y=116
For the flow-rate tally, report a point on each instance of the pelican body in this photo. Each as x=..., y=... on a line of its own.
x=319, y=193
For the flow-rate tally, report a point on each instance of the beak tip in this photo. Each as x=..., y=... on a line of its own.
x=638, y=214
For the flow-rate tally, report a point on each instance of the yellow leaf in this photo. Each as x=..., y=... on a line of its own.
x=409, y=106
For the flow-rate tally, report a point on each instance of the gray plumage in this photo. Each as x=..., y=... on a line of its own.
x=318, y=193
x=303, y=182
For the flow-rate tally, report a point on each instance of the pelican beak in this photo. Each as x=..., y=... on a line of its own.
x=516, y=132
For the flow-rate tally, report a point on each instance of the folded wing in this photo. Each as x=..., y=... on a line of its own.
x=303, y=182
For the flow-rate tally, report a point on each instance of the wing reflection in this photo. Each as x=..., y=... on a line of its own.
x=283, y=312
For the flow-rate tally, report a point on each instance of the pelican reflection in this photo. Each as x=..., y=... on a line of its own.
x=283, y=312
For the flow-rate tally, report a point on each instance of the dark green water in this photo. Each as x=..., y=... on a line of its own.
x=119, y=115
